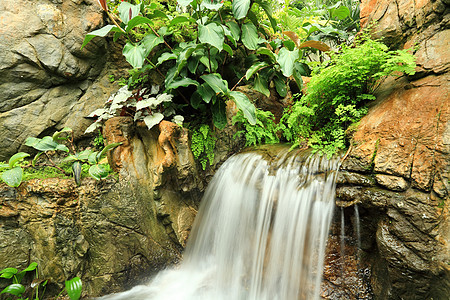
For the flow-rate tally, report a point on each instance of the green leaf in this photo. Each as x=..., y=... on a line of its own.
x=137, y=21
x=74, y=286
x=216, y=82
x=267, y=7
x=76, y=170
x=13, y=177
x=165, y=57
x=261, y=85
x=341, y=13
x=227, y=48
x=135, y=54
x=240, y=8
x=16, y=158
x=286, y=59
x=268, y=52
x=206, y=92
x=8, y=273
x=153, y=120
x=250, y=36
x=244, y=104
x=196, y=100
x=92, y=158
x=31, y=267
x=180, y=19
x=212, y=4
x=158, y=14
x=255, y=68
x=184, y=3
x=182, y=82
x=56, y=135
x=234, y=29
x=128, y=11
x=150, y=41
x=211, y=34
x=15, y=289
x=219, y=114
x=280, y=86
x=2, y=167
x=106, y=149
x=99, y=32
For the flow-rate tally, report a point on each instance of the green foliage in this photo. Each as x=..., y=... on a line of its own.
x=263, y=132
x=338, y=91
x=17, y=289
x=203, y=143
x=83, y=162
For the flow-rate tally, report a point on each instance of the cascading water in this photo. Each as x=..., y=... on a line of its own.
x=260, y=233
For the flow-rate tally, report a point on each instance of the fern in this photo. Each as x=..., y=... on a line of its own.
x=263, y=132
x=203, y=144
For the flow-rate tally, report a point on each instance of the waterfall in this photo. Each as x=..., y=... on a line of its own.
x=260, y=233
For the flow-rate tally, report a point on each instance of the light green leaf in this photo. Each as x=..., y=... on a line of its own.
x=135, y=54
x=212, y=4
x=165, y=57
x=150, y=41
x=244, y=104
x=182, y=82
x=15, y=289
x=234, y=29
x=17, y=157
x=228, y=49
x=261, y=85
x=74, y=286
x=153, y=120
x=341, y=13
x=128, y=11
x=255, y=68
x=240, y=8
x=216, y=82
x=250, y=36
x=99, y=32
x=180, y=19
x=13, y=177
x=286, y=59
x=184, y=3
x=137, y=21
x=211, y=34
x=8, y=273
x=45, y=144
x=106, y=149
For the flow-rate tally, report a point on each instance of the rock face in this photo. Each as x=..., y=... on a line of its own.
x=47, y=82
x=399, y=165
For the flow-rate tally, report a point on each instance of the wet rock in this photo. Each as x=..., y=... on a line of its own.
x=390, y=182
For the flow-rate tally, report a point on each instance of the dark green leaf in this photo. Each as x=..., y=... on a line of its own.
x=269, y=53
x=228, y=49
x=211, y=34
x=205, y=92
x=15, y=289
x=13, y=177
x=286, y=59
x=192, y=63
x=196, y=100
x=280, y=86
x=250, y=36
x=240, y=8
x=16, y=158
x=244, y=104
x=135, y=54
x=137, y=21
x=74, y=286
x=216, y=82
x=76, y=170
x=255, y=68
x=261, y=85
x=99, y=32
x=182, y=82
x=219, y=114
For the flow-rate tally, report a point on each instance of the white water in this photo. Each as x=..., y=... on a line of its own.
x=260, y=234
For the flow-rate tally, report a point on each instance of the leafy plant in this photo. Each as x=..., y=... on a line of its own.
x=263, y=132
x=203, y=143
x=338, y=91
x=13, y=172
x=16, y=288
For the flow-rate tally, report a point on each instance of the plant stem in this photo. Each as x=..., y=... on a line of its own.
x=115, y=22
x=54, y=165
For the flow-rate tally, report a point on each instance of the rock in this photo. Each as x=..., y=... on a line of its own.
x=393, y=183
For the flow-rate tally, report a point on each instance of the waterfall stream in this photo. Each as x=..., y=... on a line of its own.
x=260, y=233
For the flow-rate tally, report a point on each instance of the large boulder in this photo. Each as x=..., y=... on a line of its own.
x=398, y=168
x=47, y=81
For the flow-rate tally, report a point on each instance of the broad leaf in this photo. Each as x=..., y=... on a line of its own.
x=150, y=41
x=99, y=32
x=165, y=57
x=219, y=114
x=228, y=49
x=280, y=86
x=182, y=82
x=76, y=170
x=196, y=100
x=135, y=54
x=8, y=273
x=181, y=19
x=250, y=36
x=297, y=74
x=244, y=104
x=206, y=92
x=158, y=14
x=216, y=82
x=286, y=59
x=240, y=8
x=212, y=4
x=74, y=286
x=128, y=11
x=153, y=120
x=211, y=34
x=184, y=3
x=234, y=29
x=45, y=144
x=268, y=52
x=106, y=149
x=15, y=289
x=56, y=135
x=137, y=21
x=341, y=13
x=255, y=68
x=17, y=157
x=261, y=85
x=13, y=177
x=293, y=36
